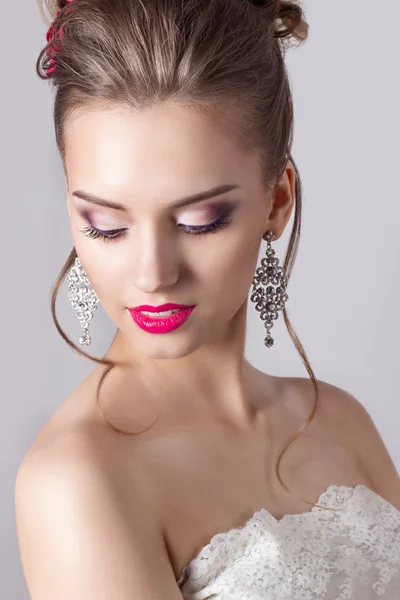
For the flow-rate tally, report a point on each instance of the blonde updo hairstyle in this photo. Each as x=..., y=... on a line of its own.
x=224, y=58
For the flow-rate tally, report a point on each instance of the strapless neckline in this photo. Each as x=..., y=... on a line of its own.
x=332, y=493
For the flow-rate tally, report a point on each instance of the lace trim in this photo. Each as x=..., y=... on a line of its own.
x=333, y=497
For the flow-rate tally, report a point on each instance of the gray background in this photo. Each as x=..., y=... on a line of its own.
x=344, y=291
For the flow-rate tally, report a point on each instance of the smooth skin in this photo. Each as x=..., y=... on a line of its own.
x=102, y=515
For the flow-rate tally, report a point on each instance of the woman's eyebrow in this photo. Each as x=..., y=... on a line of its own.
x=216, y=191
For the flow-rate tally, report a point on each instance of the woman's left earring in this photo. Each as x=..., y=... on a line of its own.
x=269, y=301
x=83, y=299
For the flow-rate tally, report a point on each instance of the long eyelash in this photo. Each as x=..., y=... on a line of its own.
x=116, y=234
x=111, y=235
x=206, y=229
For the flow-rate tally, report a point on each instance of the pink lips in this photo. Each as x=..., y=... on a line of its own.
x=160, y=324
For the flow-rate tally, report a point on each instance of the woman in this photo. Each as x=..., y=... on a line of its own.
x=158, y=478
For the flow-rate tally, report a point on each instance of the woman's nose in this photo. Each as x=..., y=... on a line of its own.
x=157, y=265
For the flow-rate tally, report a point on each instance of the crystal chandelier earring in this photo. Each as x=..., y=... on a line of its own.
x=269, y=301
x=83, y=299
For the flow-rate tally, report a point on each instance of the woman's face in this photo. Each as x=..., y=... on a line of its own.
x=146, y=162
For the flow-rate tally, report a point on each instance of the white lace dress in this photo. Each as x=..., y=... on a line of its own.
x=317, y=555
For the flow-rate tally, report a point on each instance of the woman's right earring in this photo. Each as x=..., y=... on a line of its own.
x=269, y=301
x=83, y=299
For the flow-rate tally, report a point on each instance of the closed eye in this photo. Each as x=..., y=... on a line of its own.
x=107, y=236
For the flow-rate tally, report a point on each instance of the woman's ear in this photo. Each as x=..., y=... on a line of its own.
x=283, y=200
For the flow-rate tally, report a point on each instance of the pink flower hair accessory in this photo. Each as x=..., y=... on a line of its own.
x=52, y=50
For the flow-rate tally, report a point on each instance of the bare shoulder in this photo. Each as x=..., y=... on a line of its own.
x=349, y=421
x=80, y=535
